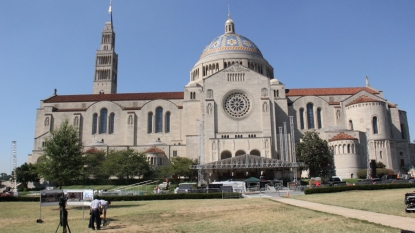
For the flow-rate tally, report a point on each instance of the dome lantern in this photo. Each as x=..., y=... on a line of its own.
x=229, y=26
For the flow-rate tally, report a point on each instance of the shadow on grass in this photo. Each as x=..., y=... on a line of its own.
x=111, y=207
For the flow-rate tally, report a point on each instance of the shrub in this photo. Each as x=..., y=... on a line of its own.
x=379, y=172
x=334, y=189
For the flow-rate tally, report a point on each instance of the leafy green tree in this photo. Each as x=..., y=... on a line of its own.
x=316, y=155
x=94, y=163
x=4, y=176
x=62, y=157
x=179, y=166
x=126, y=163
x=27, y=173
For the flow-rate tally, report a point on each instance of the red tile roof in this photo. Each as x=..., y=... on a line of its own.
x=328, y=91
x=115, y=97
x=363, y=99
x=342, y=136
x=154, y=150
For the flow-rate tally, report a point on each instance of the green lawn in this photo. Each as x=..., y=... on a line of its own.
x=389, y=201
x=230, y=215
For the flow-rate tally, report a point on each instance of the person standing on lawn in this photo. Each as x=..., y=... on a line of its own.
x=94, y=211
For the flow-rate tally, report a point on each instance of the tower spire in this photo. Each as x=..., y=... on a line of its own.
x=110, y=12
x=229, y=25
x=106, y=64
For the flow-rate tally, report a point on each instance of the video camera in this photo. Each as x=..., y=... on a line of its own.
x=62, y=202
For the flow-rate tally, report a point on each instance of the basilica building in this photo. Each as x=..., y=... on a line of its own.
x=232, y=115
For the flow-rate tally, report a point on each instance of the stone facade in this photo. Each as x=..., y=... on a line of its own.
x=242, y=108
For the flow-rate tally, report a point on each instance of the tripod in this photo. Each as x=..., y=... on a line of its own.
x=63, y=221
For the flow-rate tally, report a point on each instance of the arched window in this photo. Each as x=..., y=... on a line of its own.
x=111, y=123
x=225, y=154
x=255, y=152
x=76, y=121
x=302, y=118
x=103, y=121
x=239, y=152
x=310, y=116
x=348, y=148
x=350, y=124
x=150, y=123
x=375, y=125
x=167, y=123
x=159, y=119
x=319, y=118
x=94, y=123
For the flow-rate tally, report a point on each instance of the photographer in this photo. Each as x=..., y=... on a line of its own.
x=104, y=205
x=94, y=211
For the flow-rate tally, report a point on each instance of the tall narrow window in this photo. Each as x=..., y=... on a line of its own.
x=94, y=123
x=103, y=121
x=310, y=116
x=350, y=124
x=302, y=118
x=111, y=124
x=403, y=131
x=167, y=127
x=319, y=118
x=150, y=123
x=375, y=125
x=159, y=119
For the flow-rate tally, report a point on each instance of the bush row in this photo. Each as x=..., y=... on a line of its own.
x=164, y=197
x=131, y=198
x=334, y=189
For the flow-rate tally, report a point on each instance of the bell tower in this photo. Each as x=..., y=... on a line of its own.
x=106, y=62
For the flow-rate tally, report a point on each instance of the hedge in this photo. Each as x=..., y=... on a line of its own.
x=335, y=189
x=217, y=195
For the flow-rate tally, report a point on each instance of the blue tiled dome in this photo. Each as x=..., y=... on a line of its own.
x=228, y=43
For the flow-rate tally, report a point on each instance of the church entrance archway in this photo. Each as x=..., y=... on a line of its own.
x=225, y=154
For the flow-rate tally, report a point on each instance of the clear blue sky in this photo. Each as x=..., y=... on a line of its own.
x=51, y=44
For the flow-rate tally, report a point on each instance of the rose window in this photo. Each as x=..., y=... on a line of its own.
x=237, y=104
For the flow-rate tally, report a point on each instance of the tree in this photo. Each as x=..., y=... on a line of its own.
x=62, y=157
x=27, y=173
x=126, y=163
x=180, y=166
x=315, y=153
x=94, y=163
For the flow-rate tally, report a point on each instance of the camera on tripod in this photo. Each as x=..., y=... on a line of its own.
x=62, y=202
x=63, y=221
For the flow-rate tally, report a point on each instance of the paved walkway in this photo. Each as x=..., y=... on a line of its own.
x=404, y=223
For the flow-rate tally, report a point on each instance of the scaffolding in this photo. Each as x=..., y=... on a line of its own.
x=294, y=159
x=14, y=167
x=246, y=161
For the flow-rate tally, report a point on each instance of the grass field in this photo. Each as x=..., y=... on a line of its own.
x=389, y=201
x=230, y=215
